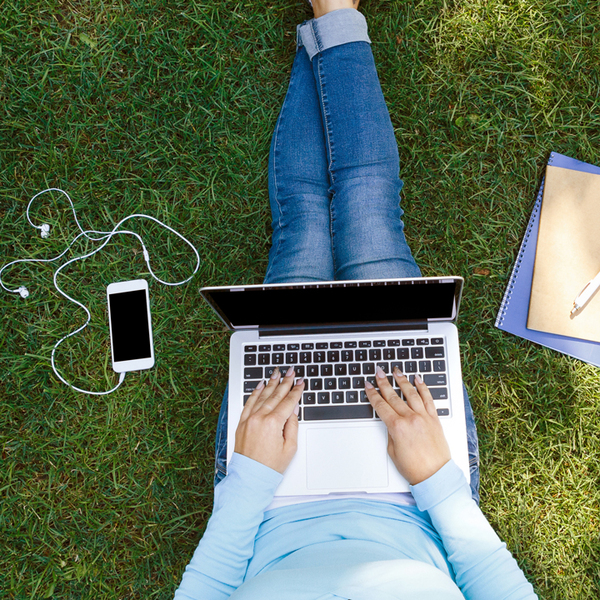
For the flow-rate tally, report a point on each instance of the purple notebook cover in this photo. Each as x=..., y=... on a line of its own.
x=512, y=316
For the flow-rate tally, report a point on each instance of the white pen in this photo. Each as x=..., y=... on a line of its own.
x=586, y=293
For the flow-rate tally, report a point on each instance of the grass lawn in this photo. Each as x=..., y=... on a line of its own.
x=167, y=107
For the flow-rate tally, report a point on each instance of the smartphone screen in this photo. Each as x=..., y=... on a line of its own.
x=130, y=328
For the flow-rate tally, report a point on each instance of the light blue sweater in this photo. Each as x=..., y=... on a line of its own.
x=443, y=548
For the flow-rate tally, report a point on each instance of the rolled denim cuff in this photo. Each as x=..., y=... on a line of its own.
x=333, y=29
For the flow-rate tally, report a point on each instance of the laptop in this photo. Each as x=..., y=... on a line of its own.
x=335, y=334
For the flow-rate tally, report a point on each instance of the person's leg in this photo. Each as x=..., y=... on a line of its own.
x=363, y=164
x=368, y=237
x=299, y=185
x=300, y=202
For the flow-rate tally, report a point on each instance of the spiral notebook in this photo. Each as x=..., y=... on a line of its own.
x=512, y=316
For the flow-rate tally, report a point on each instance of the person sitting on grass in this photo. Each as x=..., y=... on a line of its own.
x=334, y=192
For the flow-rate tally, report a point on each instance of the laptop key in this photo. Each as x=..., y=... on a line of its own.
x=389, y=354
x=308, y=346
x=253, y=373
x=323, y=398
x=269, y=371
x=424, y=366
x=351, y=397
x=316, y=384
x=293, y=346
x=408, y=342
x=393, y=342
x=375, y=354
x=354, y=369
x=249, y=386
x=437, y=341
x=402, y=353
x=363, y=396
x=277, y=358
x=330, y=383
x=416, y=353
x=436, y=379
x=340, y=411
x=337, y=397
x=422, y=342
x=309, y=398
x=250, y=359
x=410, y=366
x=439, y=393
x=305, y=357
x=358, y=383
x=322, y=346
x=349, y=344
x=372, y=381
x=312, y=370
x=333, y=356
x=347, y=355
x=335, y=345
x=279, y=347
x=344, y=383
x=385, y=366
x=319, y=357
x=264, y=348
x=434, y=352
x=364, y=344
x=341, y=369
x=326, y=370
x=439, y=365
x=443, y=412
x=379, y=343
x=299, y=371
x=368, y=369
x=361, y=355
x=291, y=358
x=250, y=348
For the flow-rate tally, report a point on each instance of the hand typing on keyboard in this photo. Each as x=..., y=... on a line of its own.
x=416, y=442
x=268, y=428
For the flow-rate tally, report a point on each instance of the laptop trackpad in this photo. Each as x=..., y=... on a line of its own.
x=353, y=458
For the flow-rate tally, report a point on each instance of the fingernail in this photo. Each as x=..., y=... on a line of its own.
x=398, y=372
x=369, y=385
x=380, y=372
x=300, y=381
x=261, y=385
x=289, y=372
x=296, y=409
x=418, y=378
x=275, y=374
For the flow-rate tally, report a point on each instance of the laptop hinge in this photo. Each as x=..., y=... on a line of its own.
x=277, y=330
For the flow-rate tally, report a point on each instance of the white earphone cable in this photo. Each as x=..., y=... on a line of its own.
x=105, y=237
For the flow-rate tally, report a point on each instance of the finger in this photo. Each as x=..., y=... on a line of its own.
x=290, y=429
x=385, y=412
x=279, y=392
x=425, y=396
x=410, y=393
x=250, y=403
x=287, y=405
x=388, y=393
x=269, y=389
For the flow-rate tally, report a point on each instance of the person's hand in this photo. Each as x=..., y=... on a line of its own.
x=416, y=442
x=268, y=428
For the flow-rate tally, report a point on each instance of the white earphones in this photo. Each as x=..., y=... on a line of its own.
x=105, y=237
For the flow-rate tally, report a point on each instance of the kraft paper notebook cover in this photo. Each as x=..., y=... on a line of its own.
x=512, y=316
x=567, y=255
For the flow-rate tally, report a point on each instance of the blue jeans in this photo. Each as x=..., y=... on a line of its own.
x=334, y=178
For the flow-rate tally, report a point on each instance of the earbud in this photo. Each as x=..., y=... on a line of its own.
x=23, y=291
x=45, y=230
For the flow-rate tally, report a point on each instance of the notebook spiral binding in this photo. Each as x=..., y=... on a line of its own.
x=509, y=288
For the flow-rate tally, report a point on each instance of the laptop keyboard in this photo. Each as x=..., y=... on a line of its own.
x=335, y=372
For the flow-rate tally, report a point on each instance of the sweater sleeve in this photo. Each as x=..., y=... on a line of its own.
x=484, y=568
x=219, y=564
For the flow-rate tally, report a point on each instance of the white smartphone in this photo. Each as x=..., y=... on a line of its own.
x=130, y=326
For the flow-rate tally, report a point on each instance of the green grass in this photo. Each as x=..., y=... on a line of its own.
x=167, y=107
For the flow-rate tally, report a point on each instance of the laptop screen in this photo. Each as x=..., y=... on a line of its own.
x=340, y=302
